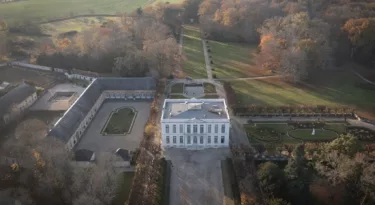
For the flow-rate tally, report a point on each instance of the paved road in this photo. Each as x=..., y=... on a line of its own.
x=196, y=177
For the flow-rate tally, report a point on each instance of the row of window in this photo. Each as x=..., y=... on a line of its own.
x=195, y=128
x=195, y=140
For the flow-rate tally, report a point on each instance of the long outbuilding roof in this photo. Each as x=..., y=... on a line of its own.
x=15, y=96
x=72, y=118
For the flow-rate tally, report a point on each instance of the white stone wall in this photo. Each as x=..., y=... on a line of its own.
x=202, y=134
x=80, y=77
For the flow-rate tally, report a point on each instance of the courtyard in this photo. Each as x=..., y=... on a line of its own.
x=58, y=98
x=193, y=90
x=94, y=140
x=196, y=176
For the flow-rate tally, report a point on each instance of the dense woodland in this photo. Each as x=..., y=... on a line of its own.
x=295, y=37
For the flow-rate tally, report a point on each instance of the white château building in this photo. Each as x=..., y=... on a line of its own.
x=195, y=123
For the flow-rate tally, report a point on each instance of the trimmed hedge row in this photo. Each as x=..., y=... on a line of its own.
x=362, y=133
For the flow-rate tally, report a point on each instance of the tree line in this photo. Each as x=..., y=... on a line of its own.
x=43, y=171
x=325, y=173
x=295, y=38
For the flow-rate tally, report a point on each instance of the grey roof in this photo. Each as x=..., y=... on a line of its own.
x=72, y=118
x=195, y=108
x=83, y=155
x=15, y=96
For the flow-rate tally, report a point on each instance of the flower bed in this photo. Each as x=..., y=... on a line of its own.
x=265, y=135
x=362, y=133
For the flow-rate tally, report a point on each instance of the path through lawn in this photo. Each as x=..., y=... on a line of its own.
x=194, y=64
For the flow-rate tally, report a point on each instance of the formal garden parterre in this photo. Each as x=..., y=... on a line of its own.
x=300, y=132
x=120, y=121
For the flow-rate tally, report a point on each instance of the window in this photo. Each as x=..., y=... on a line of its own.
x=167, y=139
x=201, y=128
x=223, y=128
x=195, y=128
x=167, y=129
x=188, y=128
x=188, y=139
x=209, y=128
x=215, y=140
x=181, y=128
x=222, y=139
x=174, y=139
x=201, y=140
x=174, y=129
x=216, y=128
x=195, y=140
x=181, y=140
x=209, y=140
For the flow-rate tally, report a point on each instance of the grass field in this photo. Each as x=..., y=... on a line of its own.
x=42, y=10
x=177, y=88
x=306, y=134
x=77, y=24
x=194, y=64
x=209, y=88
x=124, y=188
x=233, y=60
x=328, y=88
x=120, y=121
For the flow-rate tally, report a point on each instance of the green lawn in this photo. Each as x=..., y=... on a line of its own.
x=77, y=24
x=306, y=134
x=340, y=128
x=194, y=64
x=120, y=121
x=41, y=10
x=328, y=88
x=209, y=88
x=177, y=88
x=124, y=188
x=233, y=60
x=177, y=97
x=276, y=132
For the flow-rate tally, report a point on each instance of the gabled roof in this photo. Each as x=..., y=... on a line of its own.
x=68, y=124
x=15, y=96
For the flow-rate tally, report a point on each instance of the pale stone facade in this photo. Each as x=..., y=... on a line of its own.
x=196, y=124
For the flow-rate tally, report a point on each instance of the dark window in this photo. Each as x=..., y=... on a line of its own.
x=215, y=140
x=223, y=128
x=181, y=128
x=195, y=128
x=167, y=139
x=167, y=129
x=174, y=129
x=216, y=128
x=201, y=140
x=188, y=139
x=201, y=127
x=188, y=129
x=181, y=139
x=209, y=140
x=209, y=128
x=195, y=140
x=174, y=139
x=222, y=139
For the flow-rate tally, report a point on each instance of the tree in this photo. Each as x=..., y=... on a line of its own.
x=163, y=56
x=298, y=177
x=271, y=178
x=361, y=33
x=3, y=37
x=277, y=201
x=295, y=45
x=191, y=10
x=345, y=144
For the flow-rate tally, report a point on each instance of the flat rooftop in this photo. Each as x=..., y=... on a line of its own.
x=195, y=108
